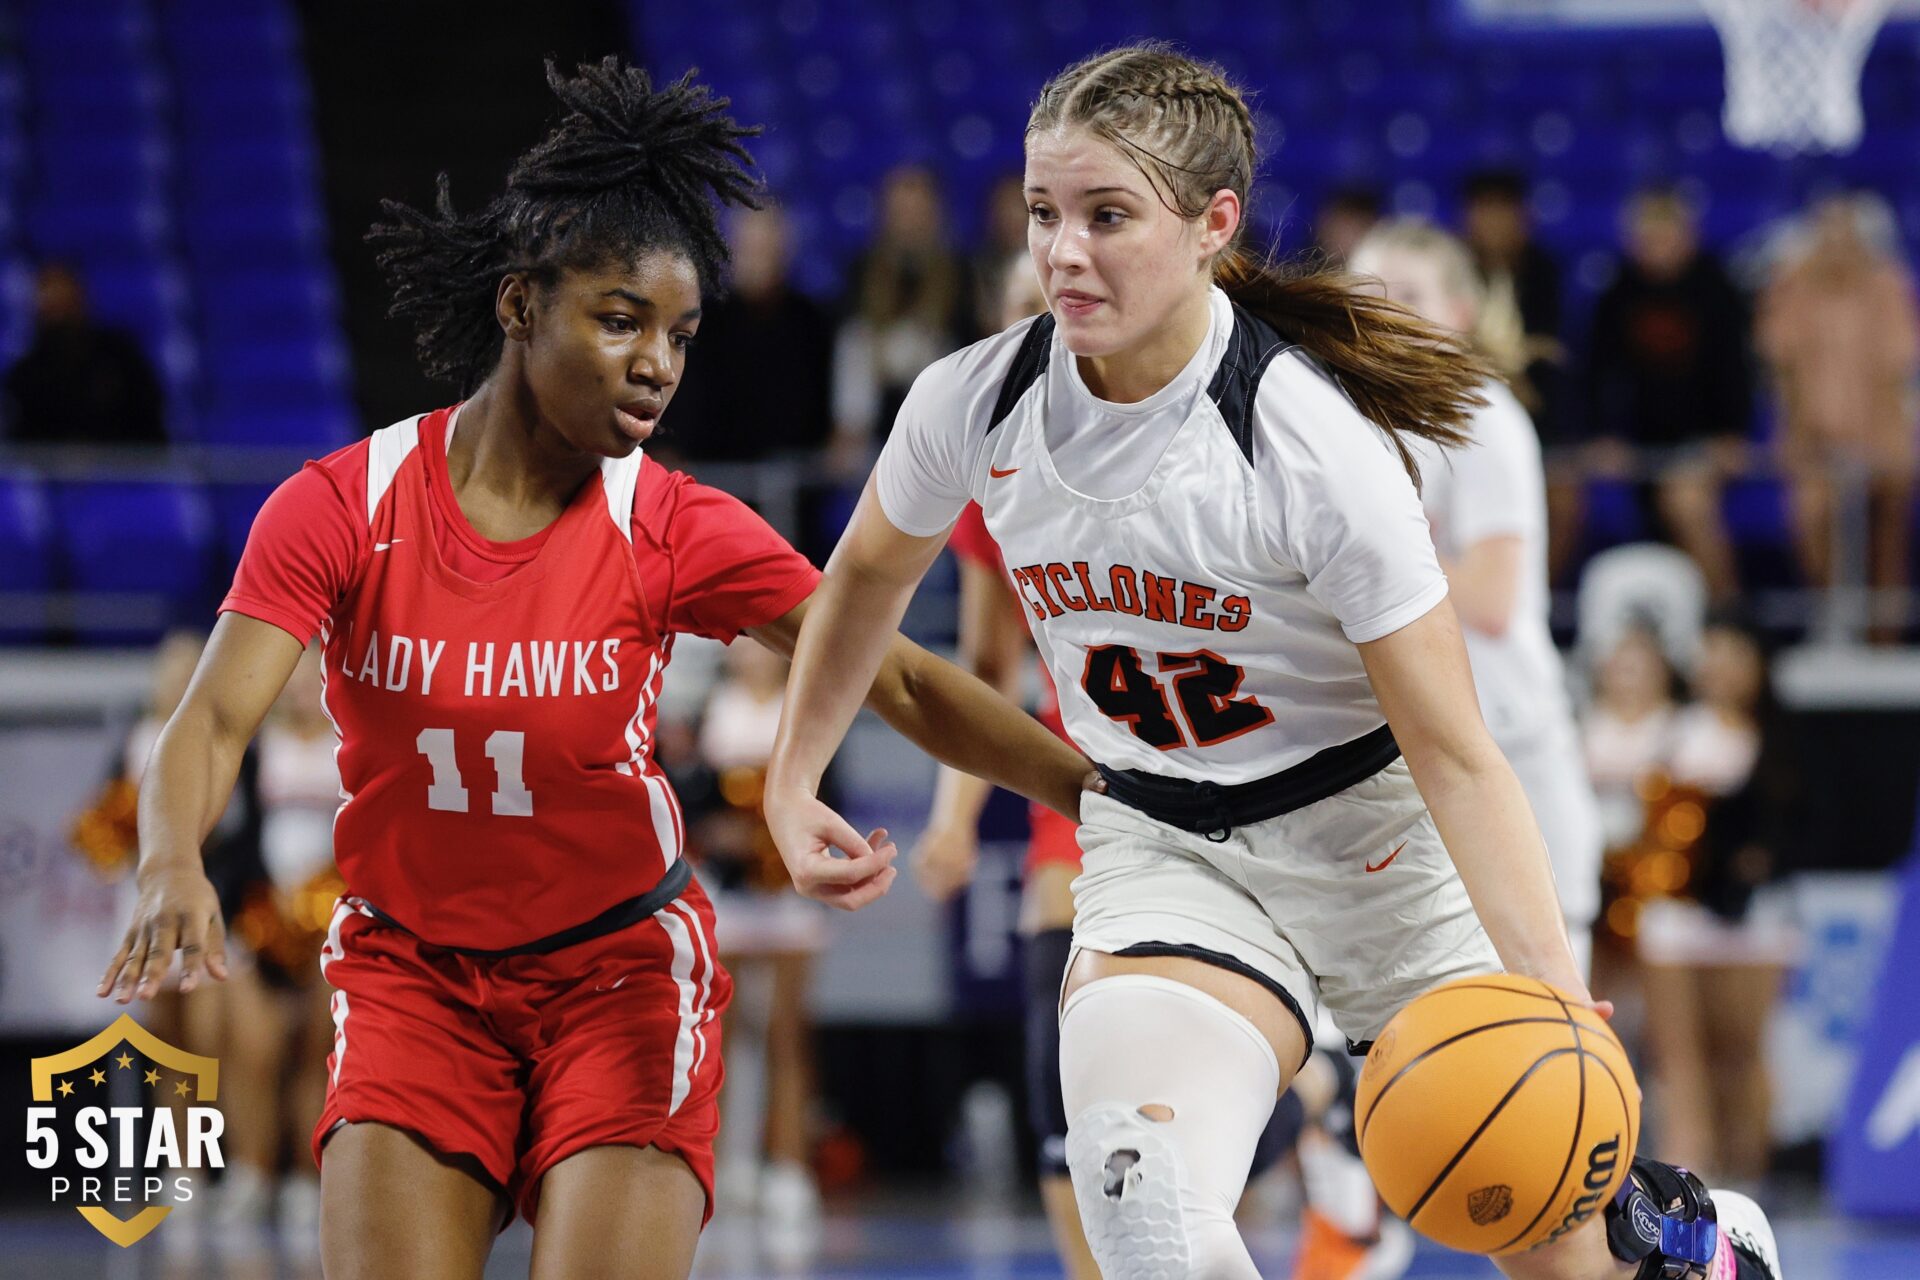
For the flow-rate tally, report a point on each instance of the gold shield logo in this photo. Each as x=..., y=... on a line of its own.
x=71, y=1089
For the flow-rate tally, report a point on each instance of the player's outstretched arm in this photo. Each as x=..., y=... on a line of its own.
x=1420, y=675
x=185, y=790
x=848, y=651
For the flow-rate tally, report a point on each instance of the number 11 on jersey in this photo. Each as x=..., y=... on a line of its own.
x=505, y=747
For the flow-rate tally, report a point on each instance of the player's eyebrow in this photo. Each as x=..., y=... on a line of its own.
x=628, y=295
x=1090, y=191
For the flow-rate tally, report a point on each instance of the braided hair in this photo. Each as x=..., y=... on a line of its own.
x=627, y=170
x=1189, y=131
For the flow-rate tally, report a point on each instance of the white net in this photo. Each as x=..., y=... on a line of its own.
x=1793, y=70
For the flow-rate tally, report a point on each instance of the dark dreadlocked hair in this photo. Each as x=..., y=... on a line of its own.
x=628, y=169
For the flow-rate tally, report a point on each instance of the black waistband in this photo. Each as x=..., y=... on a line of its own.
x=619, y=916
x=1214, y=810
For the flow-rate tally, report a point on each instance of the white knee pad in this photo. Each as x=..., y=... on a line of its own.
x=1157, y=1192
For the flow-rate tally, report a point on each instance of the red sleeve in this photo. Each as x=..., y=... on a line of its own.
x=300, y=554
x=730, y=571
x=971, y=541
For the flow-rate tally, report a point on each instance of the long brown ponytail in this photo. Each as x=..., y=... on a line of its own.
x=1190, y=132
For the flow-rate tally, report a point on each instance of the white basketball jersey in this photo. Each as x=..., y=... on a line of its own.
x=1496, y=487
x=1203, y=625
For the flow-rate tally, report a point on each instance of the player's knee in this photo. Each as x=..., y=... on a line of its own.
x=1159, y=1144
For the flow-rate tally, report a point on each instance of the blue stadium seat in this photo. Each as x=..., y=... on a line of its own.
x=16, y=307
x=228, y=239
x=319, y=427
x=85, y=168
x=281, y=170
x=26, y=547
x=97, y=232
x=150, y=300
x=234, y=507
x=99, y=524
x=266, y=376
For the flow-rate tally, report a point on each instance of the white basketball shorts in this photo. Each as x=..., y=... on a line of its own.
x=1350, y=904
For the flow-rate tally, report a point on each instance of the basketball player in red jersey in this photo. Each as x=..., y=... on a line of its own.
x=525, y=996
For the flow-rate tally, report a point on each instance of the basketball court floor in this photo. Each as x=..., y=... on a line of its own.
x=916, y=1237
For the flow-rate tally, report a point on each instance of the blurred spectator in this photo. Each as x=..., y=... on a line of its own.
x=766, y=351
x=1346, y=216
x=1628, y=730
x=278, y=1024
x=1520, y=323
x=1838, y=328
x=1003, y=235
x=1714, y=954
x=769, y=937
x=1520, y=329
x=1668, y=370
x=80, y=382
x=907, y=307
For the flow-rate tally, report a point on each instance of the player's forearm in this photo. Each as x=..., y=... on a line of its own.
x=851, y=621
x=961, y=722
x=185, y=788
x=1490, y=831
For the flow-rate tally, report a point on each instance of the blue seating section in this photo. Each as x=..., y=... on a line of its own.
x=164, y=147
x=129, y=558
x=1396, y=93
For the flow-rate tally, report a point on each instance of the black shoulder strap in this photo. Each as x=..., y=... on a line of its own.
x=1029, y=362
x=1251, y=349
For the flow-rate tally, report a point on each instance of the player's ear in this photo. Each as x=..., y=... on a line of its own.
x=1219, y=222
x=513, y=306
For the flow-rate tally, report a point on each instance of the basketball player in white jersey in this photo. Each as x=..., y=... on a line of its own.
x=1199, y=490
x=1487, y=504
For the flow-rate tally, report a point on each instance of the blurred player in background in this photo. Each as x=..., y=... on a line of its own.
x=1486, y=502
x=525, y=992
x=769, y=938
x=1201, y=487
x=278, y=1020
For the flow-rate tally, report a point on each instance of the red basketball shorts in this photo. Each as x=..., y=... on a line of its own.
x=1050, y=838
x=520, y=1062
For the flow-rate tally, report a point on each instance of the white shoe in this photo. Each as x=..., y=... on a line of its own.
x=788, y=1197
x=1745, y=1225
x=790, y=1225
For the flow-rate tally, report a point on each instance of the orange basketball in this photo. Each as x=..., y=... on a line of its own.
x=1494, y=1114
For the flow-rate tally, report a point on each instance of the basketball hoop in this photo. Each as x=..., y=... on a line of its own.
x=1793, y=70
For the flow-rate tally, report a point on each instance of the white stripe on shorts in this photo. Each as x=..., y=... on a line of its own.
x=706, y=983
x=690, y=1000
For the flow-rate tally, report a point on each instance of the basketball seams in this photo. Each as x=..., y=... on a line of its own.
x=1424, y=1054
x=1573, y=1142
x=1493, y=1114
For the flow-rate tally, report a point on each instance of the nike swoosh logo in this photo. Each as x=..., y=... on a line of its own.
x=382, y=546
x=1382, y=865
x=998, y=474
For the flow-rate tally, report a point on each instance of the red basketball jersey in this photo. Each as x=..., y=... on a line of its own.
x=495, y=701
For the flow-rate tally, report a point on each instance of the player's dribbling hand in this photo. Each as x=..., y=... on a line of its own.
x=809, y=835
x=177, y=910
x=945, y=859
